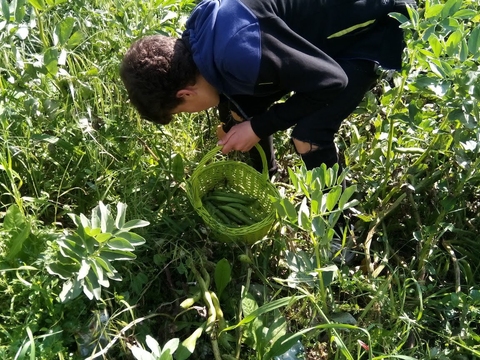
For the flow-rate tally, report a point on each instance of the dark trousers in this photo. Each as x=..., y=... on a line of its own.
x=319, y=129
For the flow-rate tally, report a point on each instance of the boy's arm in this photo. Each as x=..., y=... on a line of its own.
x=313, y=77
x=291, y=63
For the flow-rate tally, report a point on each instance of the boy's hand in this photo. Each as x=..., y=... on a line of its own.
x=220, y=128
x=240, y=137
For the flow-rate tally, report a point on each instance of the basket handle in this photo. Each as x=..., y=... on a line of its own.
x=208, y=156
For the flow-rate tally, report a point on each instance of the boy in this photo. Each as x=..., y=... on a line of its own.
x=321, y=56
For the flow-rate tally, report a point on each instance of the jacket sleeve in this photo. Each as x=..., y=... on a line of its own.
x=292, y=64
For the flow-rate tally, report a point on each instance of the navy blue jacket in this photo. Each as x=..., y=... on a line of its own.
x=261, y=47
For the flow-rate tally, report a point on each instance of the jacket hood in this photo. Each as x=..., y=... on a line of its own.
x=224, y=38
x=200, y=38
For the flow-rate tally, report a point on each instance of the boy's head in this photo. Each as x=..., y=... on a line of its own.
x=153, y=70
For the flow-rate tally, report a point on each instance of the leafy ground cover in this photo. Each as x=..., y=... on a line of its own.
x=102, y=256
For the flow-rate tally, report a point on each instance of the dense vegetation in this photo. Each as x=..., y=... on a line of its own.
x=100, y=247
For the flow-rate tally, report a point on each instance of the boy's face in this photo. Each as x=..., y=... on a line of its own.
x=198, y=97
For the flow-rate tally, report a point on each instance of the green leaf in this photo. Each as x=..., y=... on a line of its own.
x=304, y=214
x=19, y=230
x=249, y=305
x=334, y=171
x=19, y=10
x=474, y=41
x=178, y=169
x=433, y=11
x=85, y=222
x=132, y=238
x=344, y=318
x=346, y=195
x=99, y=273
x=62, y=31
x=121, y=211
x=6, y=10
x=81, y=233
x=453, y=41
x=293, y=178
x=399, y=17
x=465, y=14
x=222, y=275
x=272, y=305
x=106, y=219
x=289, y=209
x=75, y=40
x=333, y=196
x=282, y=345
x=102, y=237
x=153, y=346
x=304, y=220
x=303, y=185
x=435, y=44
x=37, y=4
x=316, y=201
x=95, y=218
x=91, y=287
x=141, y=354
x=105, y=264
x=63, y=271
x=70, y=290
x=113, y=255
x=276, y=330
x=366, y=217
x=71, y=251
x=319, y=174
x=318, y=225
x=437, y=68
x=187, y=347
x=463, y=53
x=90, y=244
x=169, y=348
x=133, y=224
x=84, y=270
x=50, y=60
x=121, y=244
x=166, y=355
x=277, y=203
x=451, y=7
x=328, y=274
x=351, y=204
x=75, y=218
x=92, y=232
x=14, y=218
x=328, y=175
x=342, y=176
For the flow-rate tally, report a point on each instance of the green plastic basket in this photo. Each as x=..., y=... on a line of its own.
x=242, y=178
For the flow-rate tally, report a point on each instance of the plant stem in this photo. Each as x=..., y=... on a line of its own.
x=456, y=267
x=391, y=129
x=239, y=314
x=323, y=293
x=43, y=38
x=216, y=350
x=371, y=232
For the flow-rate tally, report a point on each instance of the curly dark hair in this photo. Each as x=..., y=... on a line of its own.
x=153, y=70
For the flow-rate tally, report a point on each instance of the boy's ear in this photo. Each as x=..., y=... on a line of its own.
x=187, y=92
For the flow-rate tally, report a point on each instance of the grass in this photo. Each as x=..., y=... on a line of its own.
x=70, y=140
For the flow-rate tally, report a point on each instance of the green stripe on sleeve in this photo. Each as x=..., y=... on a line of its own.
x=350, y=29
